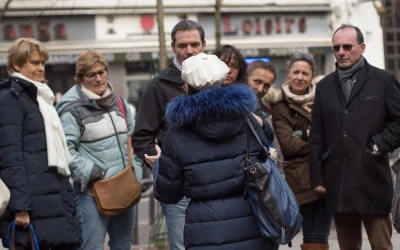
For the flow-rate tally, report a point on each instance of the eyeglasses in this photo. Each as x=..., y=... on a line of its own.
x=301, y=55
x=346, y=47
x=92, y=75
x=233, y=66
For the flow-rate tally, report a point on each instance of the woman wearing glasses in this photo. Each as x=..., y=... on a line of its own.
x=291, y=118
x=232, y=57
x=95, y=129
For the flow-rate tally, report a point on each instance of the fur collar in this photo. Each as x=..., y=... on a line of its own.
x=211, y=104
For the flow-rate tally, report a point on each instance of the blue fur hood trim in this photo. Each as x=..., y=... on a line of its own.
x=211, y=104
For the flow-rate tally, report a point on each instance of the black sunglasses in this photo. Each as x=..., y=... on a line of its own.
x=346, y=47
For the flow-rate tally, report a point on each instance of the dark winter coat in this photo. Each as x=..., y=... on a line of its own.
x=203, y=158
x=286, y=119
x=150, y=123
x=34, y=186
x=356, y=180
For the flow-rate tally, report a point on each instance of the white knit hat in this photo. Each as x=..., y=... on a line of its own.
x=204, y=71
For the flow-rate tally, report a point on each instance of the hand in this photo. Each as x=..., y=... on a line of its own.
x=150, y=159
x=260, y=121
x=22, y=219
x=320, y=189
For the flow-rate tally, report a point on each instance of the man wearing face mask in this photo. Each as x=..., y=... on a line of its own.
x=355, y=124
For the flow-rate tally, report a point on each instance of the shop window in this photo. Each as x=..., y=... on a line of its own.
x=390, y=65
x=388, y=3
x=388, y=21
x=390, y=49
x=390, y=36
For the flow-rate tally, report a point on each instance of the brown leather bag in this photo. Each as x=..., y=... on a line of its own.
x=122, y=191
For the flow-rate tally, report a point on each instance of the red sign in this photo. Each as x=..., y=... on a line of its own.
x=269, y=25
x=42, y=31
x=147, y=22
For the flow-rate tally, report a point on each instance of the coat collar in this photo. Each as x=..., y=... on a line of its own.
x=210, y=105
x=19, y=85
x=362, y=78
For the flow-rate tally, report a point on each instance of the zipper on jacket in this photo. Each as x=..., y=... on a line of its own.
x=116, y=135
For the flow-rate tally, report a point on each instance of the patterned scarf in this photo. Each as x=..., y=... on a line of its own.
x=305, y=101
x=348, y=77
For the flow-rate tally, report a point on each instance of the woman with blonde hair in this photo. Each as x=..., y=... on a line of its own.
x=33, y=154
x=96, y=129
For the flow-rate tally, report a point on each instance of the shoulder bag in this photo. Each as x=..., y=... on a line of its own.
x=275, y=206
x=122, y=191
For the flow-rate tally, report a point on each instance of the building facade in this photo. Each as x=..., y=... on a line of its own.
x=126, y=32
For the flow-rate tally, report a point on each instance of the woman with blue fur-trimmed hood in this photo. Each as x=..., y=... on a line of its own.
x=203, y=157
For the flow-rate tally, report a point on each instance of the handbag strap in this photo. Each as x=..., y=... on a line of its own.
x=121, y=107
x=10, y=240
x=250, y=125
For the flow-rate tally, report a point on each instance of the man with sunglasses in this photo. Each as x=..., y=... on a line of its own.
x=355, y=124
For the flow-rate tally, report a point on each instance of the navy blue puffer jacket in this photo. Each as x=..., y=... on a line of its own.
x=202, y=158
x=35, y=187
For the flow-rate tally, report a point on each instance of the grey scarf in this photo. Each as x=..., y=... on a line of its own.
x=348, y=77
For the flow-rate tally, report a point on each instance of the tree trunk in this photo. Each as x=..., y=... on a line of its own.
x=161, y=36
x=218, y=23
x=3, y=11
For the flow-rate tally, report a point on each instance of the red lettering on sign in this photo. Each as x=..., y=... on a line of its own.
x=302, y=25
x=43, y=28
x=227, y=27
x=268, y=26
x=9, y=33
x=25, y=30
x=60, y=32
x=278, y=24
x=288, y=25
x=258, y=25
x=247, y=26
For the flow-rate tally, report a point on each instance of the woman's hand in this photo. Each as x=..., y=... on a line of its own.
x=22, y=219
x=150, y=159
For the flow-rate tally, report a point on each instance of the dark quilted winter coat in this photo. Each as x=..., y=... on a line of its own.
x=34, y=186
x=202, y=158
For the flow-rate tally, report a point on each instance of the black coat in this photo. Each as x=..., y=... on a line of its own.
x=203, y=158
x=34, y=186
x=356, y=180
x=150, y=123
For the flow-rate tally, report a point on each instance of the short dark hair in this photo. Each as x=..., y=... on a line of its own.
x=260, y=64
x=226, y=53
x=187, y=25
x=300, y=56
x=360, y=36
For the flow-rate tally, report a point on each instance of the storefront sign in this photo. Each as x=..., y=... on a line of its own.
x=48, y=29
x=257, y=25
x=251, y=25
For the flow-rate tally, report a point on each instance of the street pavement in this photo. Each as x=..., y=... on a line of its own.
x=144, y=230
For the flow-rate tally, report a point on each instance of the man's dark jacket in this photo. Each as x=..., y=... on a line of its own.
x=150, y=123
x=356, y=180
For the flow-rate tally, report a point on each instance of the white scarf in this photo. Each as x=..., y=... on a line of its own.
x=57, y=151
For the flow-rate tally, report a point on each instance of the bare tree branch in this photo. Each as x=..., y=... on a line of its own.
x=3, y=11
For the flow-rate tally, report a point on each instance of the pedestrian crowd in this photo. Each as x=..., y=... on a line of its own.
x=72, y=170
